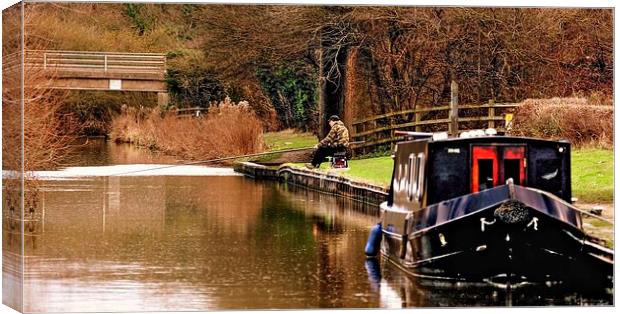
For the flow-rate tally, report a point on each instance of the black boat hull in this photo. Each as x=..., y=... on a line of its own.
x=465, y=239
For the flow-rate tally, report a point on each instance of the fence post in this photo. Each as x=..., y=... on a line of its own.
x=453, y=127
x=373, y=126
x=491, y=114
x=105, y=63
x=359, y=128
x=45, y=60
x=418, y=118
x=163, y=99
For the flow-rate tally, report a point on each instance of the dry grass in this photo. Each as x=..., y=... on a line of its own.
x=227, y=130
x=584, y=122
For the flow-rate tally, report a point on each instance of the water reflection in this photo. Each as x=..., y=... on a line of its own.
x=400, y=290
x=12, y=254
x=192, y=243
x=99, y=152
x=180, y=243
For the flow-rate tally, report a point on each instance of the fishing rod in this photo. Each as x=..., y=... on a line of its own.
x=286, y=151
x=225, y=159
x=216, y=160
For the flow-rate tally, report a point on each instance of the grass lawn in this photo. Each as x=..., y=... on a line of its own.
x=289, y=139
x=377, y=170
x=593, y=175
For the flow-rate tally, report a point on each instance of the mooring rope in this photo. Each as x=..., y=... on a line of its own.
x=593, y=215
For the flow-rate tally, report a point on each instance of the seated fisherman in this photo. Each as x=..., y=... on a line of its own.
x=336, y=140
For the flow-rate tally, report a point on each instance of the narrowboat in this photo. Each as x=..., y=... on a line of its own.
x=486, y=208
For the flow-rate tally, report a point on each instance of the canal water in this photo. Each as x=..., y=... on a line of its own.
x=201, y=238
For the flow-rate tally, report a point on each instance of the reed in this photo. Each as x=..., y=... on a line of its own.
x=227, y=130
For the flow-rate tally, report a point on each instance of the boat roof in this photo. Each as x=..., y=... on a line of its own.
x=486, y=138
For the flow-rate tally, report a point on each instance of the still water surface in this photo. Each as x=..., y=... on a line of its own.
x=206, y=242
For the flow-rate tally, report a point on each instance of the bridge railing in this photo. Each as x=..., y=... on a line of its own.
x=96, y=61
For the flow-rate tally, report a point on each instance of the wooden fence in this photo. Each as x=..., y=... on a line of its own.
x=380, y=130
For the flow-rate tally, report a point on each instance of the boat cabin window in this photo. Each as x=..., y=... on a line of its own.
x=493, y=165
x=485, y=174
x=412, y=182
x=416, y=176
x=401, y=178
x=421, y=164
x=548, y=175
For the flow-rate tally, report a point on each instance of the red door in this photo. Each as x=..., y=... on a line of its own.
x=490, y=169
x=484, y=168
x=514, y=164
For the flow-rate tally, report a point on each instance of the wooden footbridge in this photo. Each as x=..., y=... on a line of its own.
x=111, y=71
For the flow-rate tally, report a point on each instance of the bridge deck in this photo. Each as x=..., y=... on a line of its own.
x=92, y=70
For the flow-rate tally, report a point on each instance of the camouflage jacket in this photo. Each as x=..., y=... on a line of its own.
x=337, y=136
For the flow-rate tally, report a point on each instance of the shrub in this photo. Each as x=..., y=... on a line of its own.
x=191, y=82
x=291, y=90
x=94, y=110
x=575, y=119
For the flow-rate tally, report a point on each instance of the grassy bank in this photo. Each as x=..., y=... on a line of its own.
x=288, y=139
x=593, y=175
x=377, y=170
